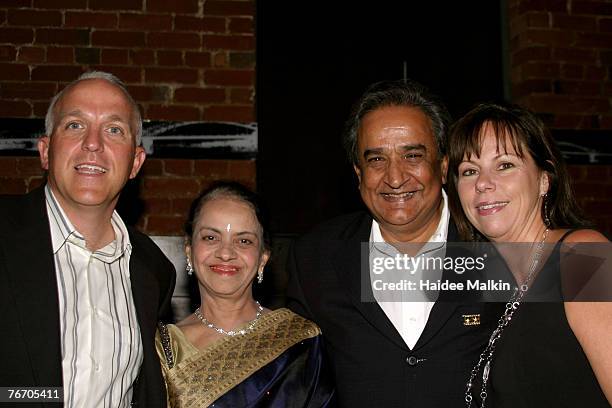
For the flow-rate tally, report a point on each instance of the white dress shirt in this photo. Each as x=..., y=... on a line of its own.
x=100, y=337
x=408, y=315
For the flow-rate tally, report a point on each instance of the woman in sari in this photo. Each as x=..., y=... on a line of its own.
x=232, y=352
x=508, y=184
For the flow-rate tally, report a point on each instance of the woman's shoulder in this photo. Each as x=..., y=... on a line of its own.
x=297, y=324
x=171, y=344
x=582, y=235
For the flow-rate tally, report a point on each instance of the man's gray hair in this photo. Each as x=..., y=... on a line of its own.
x=136, y=118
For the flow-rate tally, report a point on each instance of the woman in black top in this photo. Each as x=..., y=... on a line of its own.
x=508, y=184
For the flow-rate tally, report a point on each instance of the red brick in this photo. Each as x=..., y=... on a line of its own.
x=29, y=166
x=40, y=108
x=607, y=88
x=151, y=167
x=150, y=93
x=170, y=58
x=229, y=42
x=165, y=224
x=60, y=55
x=16, y=3
x=241, y=25
x=8, y=166
x=118, y=38
x=568, y=104
x=17, y=36
x=199, y=95
x=113, y=56
x=598, y=40
x=200, y=24
x=242, y=95
x=574, y=55
x=126, y=74
x=64, y=73
x=178, y=167
x=2, y=17
x=8, y=53
x=65, y=36
x=576, y=172
x=12, y=185
x=243, y=114
x=182, y=205
x=587, y=189
x=216, y=169
x=14, y=72
x=87, y=56
x=605, y=122
x=173, y=40
x=537, y=19
x=29, y=90
x=578, y=23
x=31, y=54
x=31, y=18
x=547, y=37
x=598, y=173
x=146, y=21
x=35, y=182
x=577, y=87
x=220, y=59
x=229, y=77
x=567, y=121
x=170, y=187
x=197, y=59
x=173, y=112
x=594, y=73
x=229, y=8
x=142, y=57
x=15, y=109
x=115, y=4
x=572, y=71
x=541, y=5
x=93, y=20
x=599, y=207
x=173, y=75
x=534, y=53
x=174, y=6
x=60, y=4
x=592, y=7
x=242, y=59
x=530, y=86
x=158, y=205
x=244, y=171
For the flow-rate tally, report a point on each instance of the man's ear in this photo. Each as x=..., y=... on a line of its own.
x=444, y=168
x=357, y=172
x=139, y=159
x=43, y=151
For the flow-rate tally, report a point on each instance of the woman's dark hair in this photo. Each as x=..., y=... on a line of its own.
x=234, y=190
x=520, y=127
x=396, y=93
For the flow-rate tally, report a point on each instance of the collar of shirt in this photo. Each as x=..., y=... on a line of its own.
x=439, y=236
x=63, y=231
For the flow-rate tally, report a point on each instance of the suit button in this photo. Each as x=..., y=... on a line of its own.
x=412, y=360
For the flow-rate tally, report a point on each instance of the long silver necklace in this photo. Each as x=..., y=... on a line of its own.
x=234, y=332
x=513, y=304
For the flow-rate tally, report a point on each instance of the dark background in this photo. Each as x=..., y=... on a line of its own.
x=314, y=59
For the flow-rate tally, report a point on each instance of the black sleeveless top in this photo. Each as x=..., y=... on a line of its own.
x=538, y=361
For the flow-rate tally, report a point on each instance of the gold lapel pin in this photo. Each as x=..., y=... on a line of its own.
x=471, y=319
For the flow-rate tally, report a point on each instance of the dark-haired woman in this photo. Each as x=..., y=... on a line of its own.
x=232, y=352
x=508, y=184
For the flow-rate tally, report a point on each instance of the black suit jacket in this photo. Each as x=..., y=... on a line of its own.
x=30, y=339
x=373, y=365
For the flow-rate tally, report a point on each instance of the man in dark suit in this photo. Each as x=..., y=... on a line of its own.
x=80, y=292
x=389, y=351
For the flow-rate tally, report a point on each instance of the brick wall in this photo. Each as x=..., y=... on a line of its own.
x=182, y=60
x=561, y=68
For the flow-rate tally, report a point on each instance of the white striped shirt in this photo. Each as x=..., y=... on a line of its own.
x=100, y=336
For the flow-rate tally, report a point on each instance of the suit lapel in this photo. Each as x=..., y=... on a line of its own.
x=354, y=271
x=35, y=287
x=142, y=291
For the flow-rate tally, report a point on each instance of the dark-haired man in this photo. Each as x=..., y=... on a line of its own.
x=389, y=351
